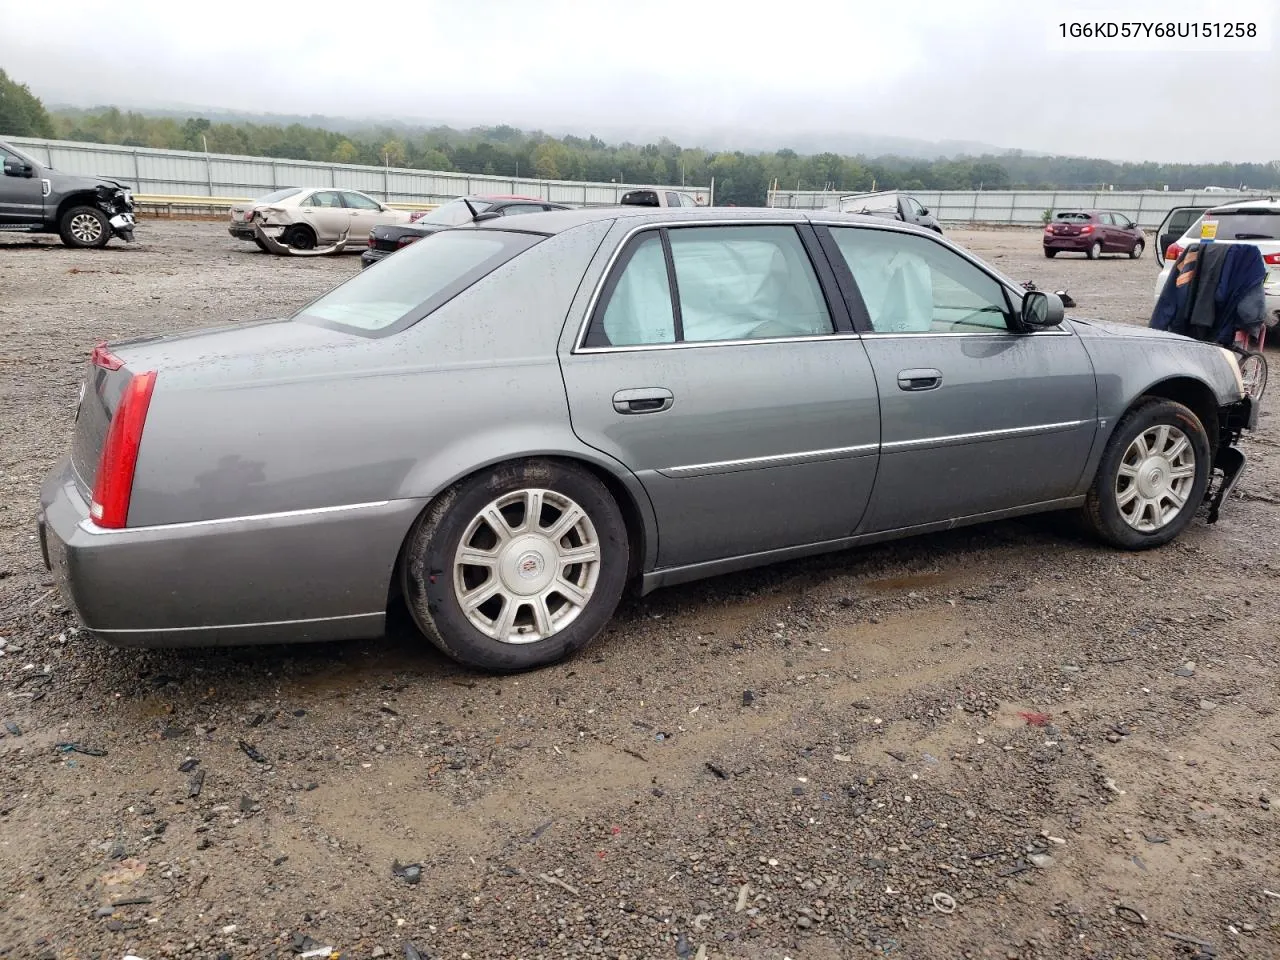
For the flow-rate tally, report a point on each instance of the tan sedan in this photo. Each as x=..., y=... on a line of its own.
x=320, y=217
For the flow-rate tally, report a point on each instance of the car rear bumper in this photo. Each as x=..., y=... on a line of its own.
x=1070, y=243
x=372, y=256
x=304, y=575
x=241, y=231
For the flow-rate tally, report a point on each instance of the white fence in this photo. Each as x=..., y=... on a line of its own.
x=1027, y=207
x=180, y=173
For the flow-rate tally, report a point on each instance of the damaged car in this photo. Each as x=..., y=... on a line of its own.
x=506, y=425
x=320, y=220
x=242, y=214
x=83, y=211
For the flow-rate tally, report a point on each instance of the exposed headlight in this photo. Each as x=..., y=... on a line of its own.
x=1233, y=361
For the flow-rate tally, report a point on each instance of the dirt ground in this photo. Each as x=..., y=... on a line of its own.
x=1004, y=742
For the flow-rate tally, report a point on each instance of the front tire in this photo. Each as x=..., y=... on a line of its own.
x=1094, y=252
x=517, y=567
x=1152, y=478
x=1136, y=252
x=82, y=227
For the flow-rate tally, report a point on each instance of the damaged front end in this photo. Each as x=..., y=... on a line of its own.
x=1228, y=460
x=116, y=201
x=273, y=244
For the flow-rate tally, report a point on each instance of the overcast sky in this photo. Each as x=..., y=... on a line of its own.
x=984, y=70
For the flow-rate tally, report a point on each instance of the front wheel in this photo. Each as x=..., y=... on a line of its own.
x=1136, y=252
x=517, y=567
x=1152, y=478
x=1253, y=371
x=84, y=227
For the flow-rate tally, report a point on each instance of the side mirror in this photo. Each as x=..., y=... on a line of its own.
x=1041, y=310
x=16, y=168
x=924, y=211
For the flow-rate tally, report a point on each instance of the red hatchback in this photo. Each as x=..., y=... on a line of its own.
x=1093, y=233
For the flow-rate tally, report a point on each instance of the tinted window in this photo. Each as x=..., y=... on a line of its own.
x=745, y=283
x=326, y=198
x=418, y=279
x=673, y=199
x=641, y=198
x=1256, y=223
x=358, y=201
x=912, y=284
x=1072, y=216
x=279, y=195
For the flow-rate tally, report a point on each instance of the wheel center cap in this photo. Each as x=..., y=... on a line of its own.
x=528, y=565
x=1153, y=477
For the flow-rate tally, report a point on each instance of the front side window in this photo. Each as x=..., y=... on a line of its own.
x=912, y=284
x=914, y=206
x=358, y=201
x=407, y=287
x=730, y=283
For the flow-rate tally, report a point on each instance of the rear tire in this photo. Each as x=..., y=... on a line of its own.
x=1136, y=252
x=300, y=237
x=1145, y=470
x=1094, y=252
x=499, y=588
x=1050, y=253
x=83, y=227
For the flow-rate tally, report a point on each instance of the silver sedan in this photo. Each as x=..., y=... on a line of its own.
x=510, y=421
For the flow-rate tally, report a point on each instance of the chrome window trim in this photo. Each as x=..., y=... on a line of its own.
x=776, y=460
x=1002, y=334
x=90, y=527
x=580, y=339
x=691, y=344
x=955, y=439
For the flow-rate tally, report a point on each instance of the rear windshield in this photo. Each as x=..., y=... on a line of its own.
x=642, y=198
x=402, y=289
x=455, y=212
x=279, y=195
x=1247, y=224
x=1072, y=216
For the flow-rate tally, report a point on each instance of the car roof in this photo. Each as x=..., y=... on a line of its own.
x=505, y=196
x=561, y=220
x=1269, y=204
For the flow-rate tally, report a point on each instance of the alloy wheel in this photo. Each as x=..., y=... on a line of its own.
x=1155, y=478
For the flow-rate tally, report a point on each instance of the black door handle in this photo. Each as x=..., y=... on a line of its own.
x=922, y=379
x=643, y=400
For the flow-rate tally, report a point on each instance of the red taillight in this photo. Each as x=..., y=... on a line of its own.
x=103, y=357
x=406, y=240
x=248, y=216
x=1048, y=229
x=1087, y=228
x=1173, y=253
x=1271, y=259
x=114, y=483
x=372, y=242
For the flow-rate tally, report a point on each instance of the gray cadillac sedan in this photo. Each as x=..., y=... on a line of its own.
x=510, y=421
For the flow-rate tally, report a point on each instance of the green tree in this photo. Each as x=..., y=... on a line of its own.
x=21, y=112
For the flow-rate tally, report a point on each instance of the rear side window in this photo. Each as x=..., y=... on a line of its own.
x=326, y=198
x=707, y=284
x=417, y=280
x=1256, y=223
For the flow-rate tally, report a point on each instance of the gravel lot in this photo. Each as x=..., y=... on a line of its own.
x=983, y=744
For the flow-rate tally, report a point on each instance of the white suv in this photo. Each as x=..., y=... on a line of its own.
x=1245, y=221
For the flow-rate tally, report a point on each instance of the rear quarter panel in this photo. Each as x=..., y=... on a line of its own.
x=369, y=419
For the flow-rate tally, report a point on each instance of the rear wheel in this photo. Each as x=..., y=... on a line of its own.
x=1095, y=251
x=517, y=567
x=1050, y=253
x=1136, y=252
x=1253, y=371
x=84, y=227
x=300, y=237
x=1152, y=477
